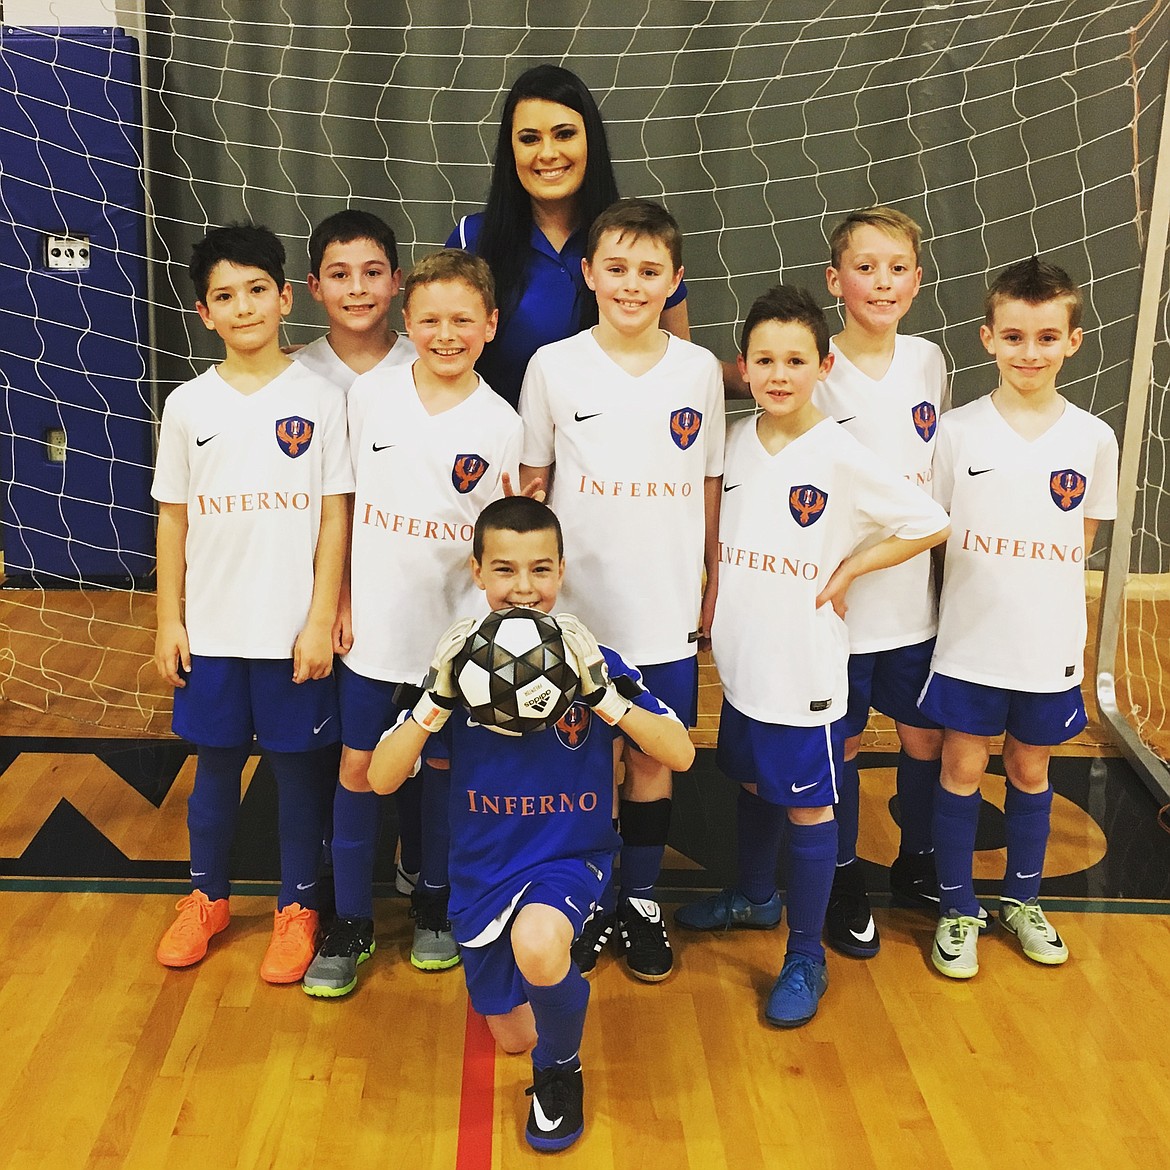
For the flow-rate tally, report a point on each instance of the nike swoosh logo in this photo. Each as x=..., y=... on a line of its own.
x=199, y=873
x=845, y=420
x=572, y=906
x=200, y=442
x=317, y=730
x=542, y=1120
x=730, y=487
x=1068, y=721
x=384, y=446
x=306, y=887
x=865, y=935
x=804, y=787
x=1025, y=876
x=958, y=887
x=981, y=471
x=579, y=417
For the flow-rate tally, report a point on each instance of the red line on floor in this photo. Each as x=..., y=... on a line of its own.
x=476, y=1095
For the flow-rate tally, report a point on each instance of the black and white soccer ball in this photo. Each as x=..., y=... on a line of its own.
x=514, y=673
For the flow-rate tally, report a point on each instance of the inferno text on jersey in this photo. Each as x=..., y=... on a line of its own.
x=413, y=525
x=747, y=558
x=1031, y=550
x=650, y=489
x=253, y=502
x=531, y=806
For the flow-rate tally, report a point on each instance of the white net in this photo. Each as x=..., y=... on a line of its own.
x=1004, y=127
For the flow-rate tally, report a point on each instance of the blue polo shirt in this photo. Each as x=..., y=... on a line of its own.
x=549, y=309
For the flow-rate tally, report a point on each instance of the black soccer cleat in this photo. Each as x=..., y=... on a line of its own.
x=556, y=1117
x=849, y=925
x=913, y=881
x=642, y=939
x=589, y=944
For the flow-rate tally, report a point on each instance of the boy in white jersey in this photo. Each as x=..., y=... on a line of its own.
x=251, y=481
x=354, y=275
x=806, y=511
x=531, y=816
x=431, y=443
x=1027, y=477
x=629, y=420
x=887, y=390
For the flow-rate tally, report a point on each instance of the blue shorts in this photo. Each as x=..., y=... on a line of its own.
x=677, y=685
x=574, y=887
x=227, y=701
x=1037, y=719
x=890, y=681
x=367, y=707
x=796, y=767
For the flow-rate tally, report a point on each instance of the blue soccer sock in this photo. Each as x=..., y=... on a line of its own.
x=759, y=828
x=955, y=825
x=644, y=827
x=436, y=827
x=1027, y=820
x=408, y=800
x=212, y=811
x=304, y=784
x=917, y=783
x=848, y=811
x=356, y=817
x=559, y=1013
x=812, y=854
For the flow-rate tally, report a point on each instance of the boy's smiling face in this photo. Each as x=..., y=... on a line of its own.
x=244, y=306
x=632, y=277
x=449, y=325
x=878, y=278
x=520, y=568
x=1030, y=342
x=356, y=285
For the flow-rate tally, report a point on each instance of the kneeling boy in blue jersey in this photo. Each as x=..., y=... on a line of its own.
x=806, y=510
x=524, y=883
x=1027, y=477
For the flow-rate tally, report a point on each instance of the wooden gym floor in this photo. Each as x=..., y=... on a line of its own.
x=111, y=1061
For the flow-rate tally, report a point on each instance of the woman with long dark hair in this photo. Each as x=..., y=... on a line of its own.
x=551, y=177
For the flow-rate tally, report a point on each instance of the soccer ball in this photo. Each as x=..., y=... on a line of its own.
x=513, y=672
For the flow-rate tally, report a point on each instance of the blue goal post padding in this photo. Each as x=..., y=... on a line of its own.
x=77, y=444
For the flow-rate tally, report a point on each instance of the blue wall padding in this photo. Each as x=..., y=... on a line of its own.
x=73, y=344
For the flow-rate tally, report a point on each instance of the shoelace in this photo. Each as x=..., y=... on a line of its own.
x=193, y=913
x=1032, y=915
x=800, y=976
x=430, y=912
x=551, y=1085
x=285, y=921
x=348, y=937
x=958, y=928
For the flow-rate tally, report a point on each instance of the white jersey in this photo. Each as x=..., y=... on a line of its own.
x=1012, y=612
x=252, y=469
x=787, y=521
x=422, y=480
x=631, y=456
x=896, y=417
x=320, y=357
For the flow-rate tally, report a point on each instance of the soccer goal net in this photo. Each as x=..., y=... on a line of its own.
x=1005, y=127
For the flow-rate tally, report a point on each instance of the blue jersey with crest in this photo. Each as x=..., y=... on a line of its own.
x=519, y=802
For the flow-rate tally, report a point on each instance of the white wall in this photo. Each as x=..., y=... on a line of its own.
x=127, y=14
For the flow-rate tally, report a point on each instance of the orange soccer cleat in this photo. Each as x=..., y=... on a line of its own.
x=293, y=945
x=186, y=939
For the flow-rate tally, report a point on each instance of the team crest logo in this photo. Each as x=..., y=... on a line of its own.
x=684, y=426
x=807, y=503
x=293, y=435
x=467, y=471
x=573, y=726
x=1067, y=488
x=925, y=420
